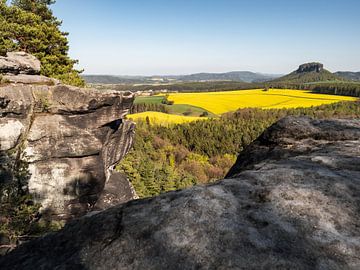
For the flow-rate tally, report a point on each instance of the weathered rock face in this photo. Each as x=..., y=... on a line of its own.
x=310, y=67
x=29, y=79
x=71, y=138
x=19, y=63
x=292, y=202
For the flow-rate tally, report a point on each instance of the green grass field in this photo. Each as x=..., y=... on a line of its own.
x=149, y=100
x=177, y=109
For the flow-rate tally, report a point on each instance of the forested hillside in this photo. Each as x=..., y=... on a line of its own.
x=178, y=156
x=348, y=75
x=344, y=88
x=308, y=73
x=311, y=76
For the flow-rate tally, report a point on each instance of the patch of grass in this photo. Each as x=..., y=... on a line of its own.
x=149, y=100
x=189, y=110
x=178, y=109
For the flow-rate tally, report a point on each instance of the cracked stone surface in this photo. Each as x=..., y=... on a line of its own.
x=291, y=201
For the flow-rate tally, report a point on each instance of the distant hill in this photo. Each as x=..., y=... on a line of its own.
x=308, y=73
x=237, y=76
x=109, y=79
x=348, y=75
x=240, y=76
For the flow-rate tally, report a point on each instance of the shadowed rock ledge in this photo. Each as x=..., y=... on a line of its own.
x=67, y=139
x=291, y=202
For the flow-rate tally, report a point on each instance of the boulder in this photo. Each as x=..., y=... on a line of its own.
x=117, y=190
x=291, y=201
x=19, y=63
x=70, y=139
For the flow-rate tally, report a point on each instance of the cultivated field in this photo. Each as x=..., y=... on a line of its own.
x=222, y=102
x=160, y=118
x=217, y=103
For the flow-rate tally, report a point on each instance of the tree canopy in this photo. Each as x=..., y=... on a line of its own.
x=39, y=7
x=30, y=26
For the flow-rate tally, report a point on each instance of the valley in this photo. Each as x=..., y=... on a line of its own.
x=187, y=107
x=230, y=141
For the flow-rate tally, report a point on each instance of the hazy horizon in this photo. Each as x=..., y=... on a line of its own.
x=145, y=38
x=180, y=74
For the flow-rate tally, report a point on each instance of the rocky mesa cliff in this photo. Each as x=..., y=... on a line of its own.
x=66, y=140
x=291, y=201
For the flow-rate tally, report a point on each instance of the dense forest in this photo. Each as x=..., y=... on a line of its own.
x=144, y=107
x=179, y=156
x=333, y=88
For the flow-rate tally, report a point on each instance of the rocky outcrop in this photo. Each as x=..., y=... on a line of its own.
x=290, y=202
x=29, y=79
x=310, y=67
x=24, y=68
x=19, y=63
x=70, y=140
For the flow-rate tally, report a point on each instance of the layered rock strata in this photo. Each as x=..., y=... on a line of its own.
x=67, y=140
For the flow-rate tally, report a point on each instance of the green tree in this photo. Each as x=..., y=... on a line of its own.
x=39, y=7
x=29, y=25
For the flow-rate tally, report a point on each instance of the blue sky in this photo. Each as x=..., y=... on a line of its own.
x=138, y=37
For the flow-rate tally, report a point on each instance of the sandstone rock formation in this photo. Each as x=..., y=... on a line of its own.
x=310, y=67
x=19, y=63
x=24, y=68
x=69, y=138
x=291, y=202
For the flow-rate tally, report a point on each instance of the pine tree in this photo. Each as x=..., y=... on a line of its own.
x=29, y=25
x=38, y=7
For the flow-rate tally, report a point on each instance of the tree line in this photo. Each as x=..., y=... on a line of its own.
x=145, y=107
x=333, y=88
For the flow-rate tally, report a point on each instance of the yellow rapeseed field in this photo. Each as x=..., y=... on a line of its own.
x=164, y=119
x=222, y=102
